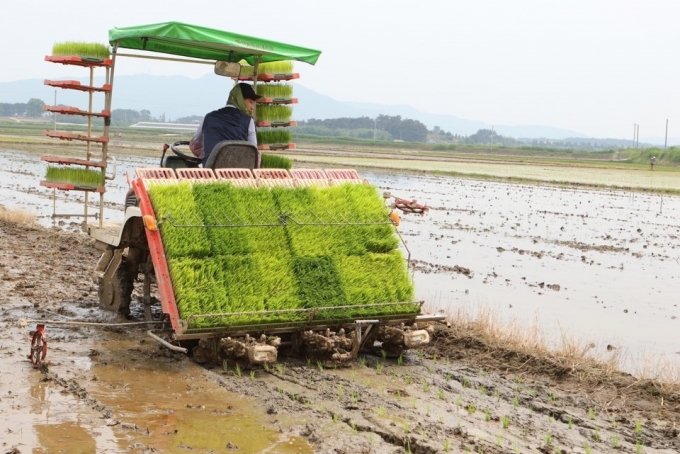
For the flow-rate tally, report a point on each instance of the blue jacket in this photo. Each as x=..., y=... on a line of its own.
x=227, y=123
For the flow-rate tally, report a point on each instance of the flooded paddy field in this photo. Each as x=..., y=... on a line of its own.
x=595, y=264
x=600, y=265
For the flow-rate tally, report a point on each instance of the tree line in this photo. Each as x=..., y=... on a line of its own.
x=382, y=127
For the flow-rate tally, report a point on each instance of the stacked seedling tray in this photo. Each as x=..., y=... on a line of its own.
x=86, y=173
x=274, y=110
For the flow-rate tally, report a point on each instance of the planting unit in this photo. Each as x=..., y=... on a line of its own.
x=249, y=262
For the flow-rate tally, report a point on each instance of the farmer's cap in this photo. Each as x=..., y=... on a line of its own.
x=248, y=92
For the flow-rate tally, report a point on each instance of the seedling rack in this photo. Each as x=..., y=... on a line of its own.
x=92, y=159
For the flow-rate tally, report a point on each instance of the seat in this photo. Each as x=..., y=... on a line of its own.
x=233, y=154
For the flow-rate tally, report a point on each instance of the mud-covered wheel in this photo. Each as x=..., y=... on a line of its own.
x=115, y=290
x=38, y=348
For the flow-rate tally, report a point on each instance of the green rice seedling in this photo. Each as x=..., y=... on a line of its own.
x=272, y=161
x=548, y=439
x=638, y=447
x=505, y=421
x=383, y=354
x=515, y=402
x=426, y=387
x=362, y=361
x=616, y=442
x=466, y=383
x=354, y=426
x=586, y=448
x=276, y=67
x=196, y=286
x=75, y=176
x=340, y=391
x=570, y=423
x=447, y=446
x=252, y=375
x=354, y=398
x=273, y=135
x=378, y=367
x=238, y=370
x=319, y=365
x=499, y=441
x=471, y=409
x=482, y=390
x=400, y=359
x=591, y=413
x=380, y=411
x=441, y=394
x=335, y=418
x=430, y=370
x=638, y=427
x=81, y=49
x=406, y=427
x=225, y=366
x=407, y=379
x=273, y=113
x=596, y=434
x=276, y=90
x=487, y=415
x=176, y=204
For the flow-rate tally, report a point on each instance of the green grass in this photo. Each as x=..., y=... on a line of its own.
x=81, y=49
x=241, y=268
x=75, y=176
x=272, y=161
x=273, y=135
x=273, y=112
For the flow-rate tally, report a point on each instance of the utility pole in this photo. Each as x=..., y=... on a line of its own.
x=665, y=142
x=637, y=144
x=634, y=128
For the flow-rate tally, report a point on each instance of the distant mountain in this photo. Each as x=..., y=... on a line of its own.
x=179, y=96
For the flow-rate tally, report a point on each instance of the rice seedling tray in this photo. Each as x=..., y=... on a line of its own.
x=75, y=161
x=275, y=124
x=78, y=61
x=72, y=187
x=277, y=101
x=67, y=110
x=76, y=85
x=70, y=136
x=271, y=77
x=276, y=146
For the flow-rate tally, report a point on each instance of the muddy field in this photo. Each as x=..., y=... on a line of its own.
x=590, y=262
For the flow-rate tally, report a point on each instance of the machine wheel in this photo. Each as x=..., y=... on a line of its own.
x=38, y=347
x=115, y=289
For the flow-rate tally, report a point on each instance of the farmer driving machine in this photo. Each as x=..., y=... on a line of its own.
x=248, y=261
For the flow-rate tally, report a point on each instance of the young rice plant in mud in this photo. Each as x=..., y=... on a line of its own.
x=548, y=439
x=505, y=420
x=487, y=415
x=447, y=446
x=471, y=409
x=638, y=447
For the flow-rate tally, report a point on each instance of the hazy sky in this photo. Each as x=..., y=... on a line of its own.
x=592, y=66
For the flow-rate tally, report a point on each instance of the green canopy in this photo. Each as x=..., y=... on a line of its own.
x=206, y=43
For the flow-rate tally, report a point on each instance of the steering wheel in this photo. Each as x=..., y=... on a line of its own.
x=190, y=160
